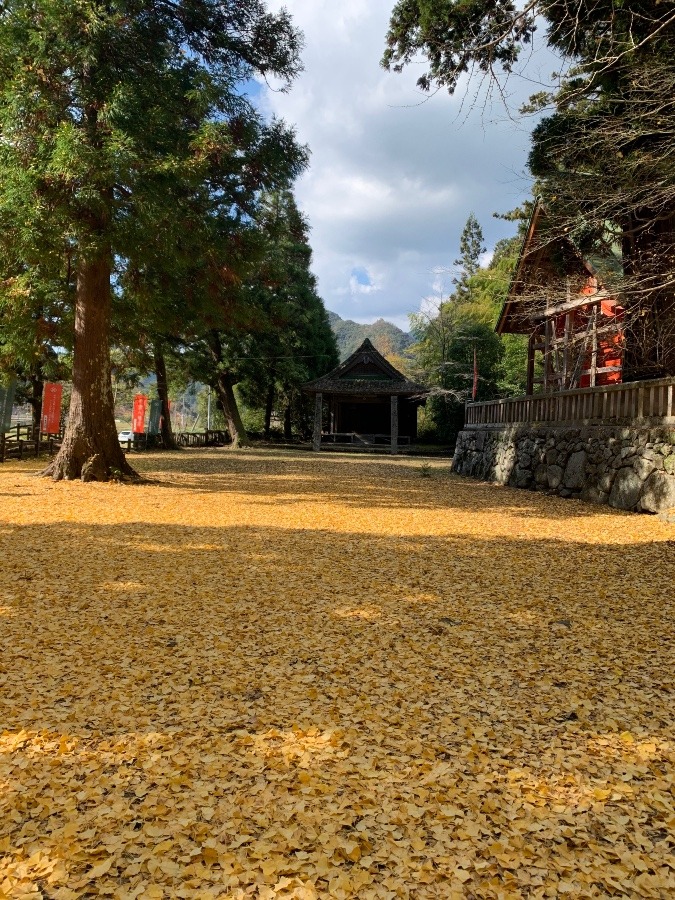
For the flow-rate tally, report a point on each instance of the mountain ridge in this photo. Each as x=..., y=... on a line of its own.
x=387, y=338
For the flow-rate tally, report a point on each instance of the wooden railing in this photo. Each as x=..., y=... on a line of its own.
x=614, y=404
x=210, y=438
x=25, y=440
x=362, y=440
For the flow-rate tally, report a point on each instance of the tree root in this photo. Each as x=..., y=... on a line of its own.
x=93, y=468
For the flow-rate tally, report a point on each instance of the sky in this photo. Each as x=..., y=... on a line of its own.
x=394, y=174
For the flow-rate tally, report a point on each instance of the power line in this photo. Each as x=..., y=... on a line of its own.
x=276, y=358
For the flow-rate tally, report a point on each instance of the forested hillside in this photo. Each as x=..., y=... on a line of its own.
x=388, y=339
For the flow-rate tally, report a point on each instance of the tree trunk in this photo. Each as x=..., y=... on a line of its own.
x=235, y=426
x=288, y=430
x=38, y=386
x=224, y=387
x=649, y=318
x=90, y=447
x=269, y=405
x=168, y=440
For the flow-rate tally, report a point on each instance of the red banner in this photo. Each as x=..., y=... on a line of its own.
x=50, y=423
x=138, y=418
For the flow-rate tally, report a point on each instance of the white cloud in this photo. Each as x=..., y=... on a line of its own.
x=394, y=174
x=357, y=288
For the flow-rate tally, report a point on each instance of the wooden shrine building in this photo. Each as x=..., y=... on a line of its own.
x=365, y=400
x=558, y=299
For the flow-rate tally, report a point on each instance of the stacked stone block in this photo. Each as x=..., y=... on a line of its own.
x=628, y=468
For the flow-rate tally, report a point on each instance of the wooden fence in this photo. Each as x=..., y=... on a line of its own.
x=24, y=441
x=648, y=402
x=208, y=438
x=362, y=440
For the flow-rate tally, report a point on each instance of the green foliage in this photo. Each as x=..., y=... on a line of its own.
x=113, y=113
x=471, y=246
x=275, y=335
x=605, y=36
x=130, y=149
x=603, y=156
x=462, y=323
x=455, y=37
x=295, y=343
x=253, y=418
x=445, y=354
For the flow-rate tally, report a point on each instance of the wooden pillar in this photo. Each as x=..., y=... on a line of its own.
x=566, y=351
x=530, y=363
x=318, y=416
x=547, y=356
x=594, y=346
x=394, y=424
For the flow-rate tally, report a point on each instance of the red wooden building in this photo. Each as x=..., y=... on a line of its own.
x=575, y=326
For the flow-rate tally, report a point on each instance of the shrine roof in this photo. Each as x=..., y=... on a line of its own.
x=366, y=371
x=545, y=265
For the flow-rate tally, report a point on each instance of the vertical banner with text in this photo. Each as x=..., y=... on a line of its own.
x=50, y=421
x=138, y=418
x=155, y=416
x=6, y=403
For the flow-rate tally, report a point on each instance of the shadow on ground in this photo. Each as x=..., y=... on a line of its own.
x=448, y=678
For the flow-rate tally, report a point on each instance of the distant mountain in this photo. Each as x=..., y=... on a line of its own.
x=386, y=337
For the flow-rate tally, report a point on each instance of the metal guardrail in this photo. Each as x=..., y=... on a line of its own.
x=652, y=402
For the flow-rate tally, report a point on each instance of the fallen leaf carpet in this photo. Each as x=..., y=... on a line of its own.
x=284, y=675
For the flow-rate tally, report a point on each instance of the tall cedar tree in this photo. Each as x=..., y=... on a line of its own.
x=178, y=304
x=272, y=332
x=108, y=112
x=220, y=326
x=604, y=156
x=199, y=300
x=296, y=343
x=471, y=246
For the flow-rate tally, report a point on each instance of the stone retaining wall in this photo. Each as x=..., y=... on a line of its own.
x=628, y=468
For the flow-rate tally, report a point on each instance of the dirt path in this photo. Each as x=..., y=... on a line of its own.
x=279, y=675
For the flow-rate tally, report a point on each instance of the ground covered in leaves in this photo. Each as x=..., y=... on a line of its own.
x=276, y=675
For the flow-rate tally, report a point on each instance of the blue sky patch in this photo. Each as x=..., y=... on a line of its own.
x=361, y=276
